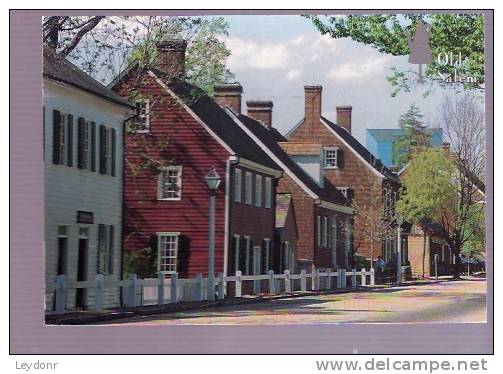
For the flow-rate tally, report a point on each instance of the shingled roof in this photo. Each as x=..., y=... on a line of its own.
x=61, y=70
x=328, y=192
x=351, y=141
x=218, y=121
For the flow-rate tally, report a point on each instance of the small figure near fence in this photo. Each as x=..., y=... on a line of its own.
x=380, y=264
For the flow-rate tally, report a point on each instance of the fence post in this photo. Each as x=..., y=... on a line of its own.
x=288, y=285
x=238, y=284
x=372, y=277
x=364, y=277
x=198, y=288
x=328, y=284
x=339, y=278
x=173, y=288
x=353, y=278
x=221, y=284
x=272, y=288
x=313, y=277
x=160, y=288
x=99, y=292
x=343, y=278
x=131, y=290
x=317, y=284
x=303, y=281
x=60, y=294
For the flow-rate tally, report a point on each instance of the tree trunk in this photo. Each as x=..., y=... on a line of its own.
x=424, y=249
x=456, y=269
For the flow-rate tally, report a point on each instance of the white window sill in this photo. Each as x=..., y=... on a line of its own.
x=169, y=199
x=330, y=167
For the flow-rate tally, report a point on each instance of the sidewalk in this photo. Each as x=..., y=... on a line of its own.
x=89, y=317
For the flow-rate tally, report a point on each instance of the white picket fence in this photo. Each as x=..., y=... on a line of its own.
x=171, y=289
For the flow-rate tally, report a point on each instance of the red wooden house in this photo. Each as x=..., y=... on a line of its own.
x=178, y=135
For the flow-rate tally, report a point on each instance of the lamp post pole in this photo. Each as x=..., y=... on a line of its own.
x=211, y=253
x=213, y=181
x=399, y=252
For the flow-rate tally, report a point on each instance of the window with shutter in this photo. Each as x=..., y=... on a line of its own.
x=258, y=190
x=114, y=152
x=56, y=136
x=167, y=252
x=268, y=192
x=237, y=185
x=82, y=143
x=170, y=183
x=248, y=188
x=103, y=136
x=111, y=243
x=69, y=156
x=330, y=157
x=340, y=158
x=93, y=146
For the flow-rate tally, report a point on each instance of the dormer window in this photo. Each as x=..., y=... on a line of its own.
x=142, y=119
x=346, y=191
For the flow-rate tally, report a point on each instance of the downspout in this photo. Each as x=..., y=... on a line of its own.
x=231, y=160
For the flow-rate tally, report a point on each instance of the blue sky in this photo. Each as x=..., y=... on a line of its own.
x=273, y=57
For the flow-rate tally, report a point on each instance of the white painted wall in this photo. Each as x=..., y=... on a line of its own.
x=69, y=189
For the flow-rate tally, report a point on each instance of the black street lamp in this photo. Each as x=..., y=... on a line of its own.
x=213, y=181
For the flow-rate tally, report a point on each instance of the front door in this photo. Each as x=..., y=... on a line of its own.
x=256, y=267
x=81, y=294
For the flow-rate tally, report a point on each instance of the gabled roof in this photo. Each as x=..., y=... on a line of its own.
x=328, y=193
x=217, y=120
x=61, y=70
x=359, y=149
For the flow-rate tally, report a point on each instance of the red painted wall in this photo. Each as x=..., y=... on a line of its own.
x=174, y=138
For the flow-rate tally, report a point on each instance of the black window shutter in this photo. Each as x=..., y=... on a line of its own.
x=263, y=254
x=340, y=158
x=56, y=133
x=101, y=244
x=242, y=256
x=182, y=257
x=93, y=146
x=103, y=136
x=111, y=249
x=113, y=151
x=70, y=140
x=80, y=143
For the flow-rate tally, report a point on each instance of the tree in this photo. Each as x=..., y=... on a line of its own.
x=415, y=137
x=459, y=34
x=374, y=215
x=105, y=46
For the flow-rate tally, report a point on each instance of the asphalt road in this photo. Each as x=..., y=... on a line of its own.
x=452, y=301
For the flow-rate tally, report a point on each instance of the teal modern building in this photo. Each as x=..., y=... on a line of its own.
x=380, y=142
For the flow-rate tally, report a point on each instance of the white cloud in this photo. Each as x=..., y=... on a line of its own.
x=360, y=68
x=293, y=74
x=248, y=54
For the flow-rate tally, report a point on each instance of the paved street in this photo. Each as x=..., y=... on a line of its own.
x=453, y=301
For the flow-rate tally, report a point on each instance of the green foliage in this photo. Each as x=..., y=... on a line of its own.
x=475, y=230
x=414, y=135
x=206, y=56
x=388, y=33
x=430, y=187
x=140, y=262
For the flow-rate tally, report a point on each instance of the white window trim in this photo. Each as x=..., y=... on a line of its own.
x=268, y=193
x=249, y=256
x=238, y=185
x=344, y=191
x=159, y=235
x=318, y=233
x=248, y=188
x=325, y=149
x=159, y=183
x=147, y=117
x=258, y=190
x=325, y=232
x=267, y=253
x=237, y=242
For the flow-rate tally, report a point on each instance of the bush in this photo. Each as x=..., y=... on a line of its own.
x=141, y=262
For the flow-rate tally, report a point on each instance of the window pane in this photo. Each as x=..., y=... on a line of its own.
x=330, y=158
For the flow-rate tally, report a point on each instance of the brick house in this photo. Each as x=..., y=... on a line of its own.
x=324, y=217
x=179, y=133
x=347, y=164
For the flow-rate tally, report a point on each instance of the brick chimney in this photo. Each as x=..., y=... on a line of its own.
x=228, y=94
x=312, y=105
x=344, y=117
x=170, y=57
x=260, y=110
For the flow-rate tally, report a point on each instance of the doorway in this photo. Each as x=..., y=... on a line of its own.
x=81, y=293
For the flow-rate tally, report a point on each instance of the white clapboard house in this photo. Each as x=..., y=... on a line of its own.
x=83, y=163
